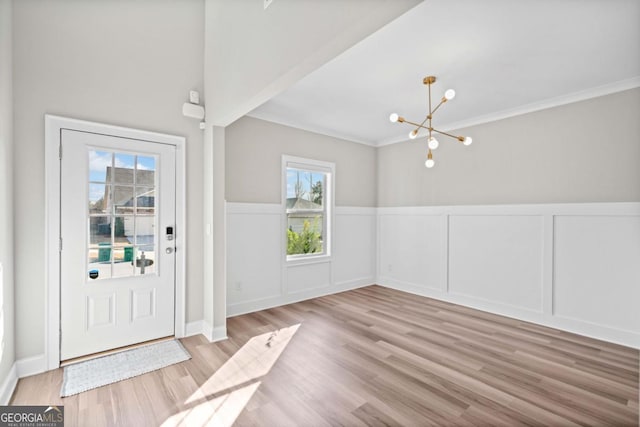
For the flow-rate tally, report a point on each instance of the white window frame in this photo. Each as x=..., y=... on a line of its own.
x=329, y=204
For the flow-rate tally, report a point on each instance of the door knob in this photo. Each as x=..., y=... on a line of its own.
x=169, y=250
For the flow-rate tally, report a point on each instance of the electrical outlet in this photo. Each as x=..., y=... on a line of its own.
x=267, y=3
x=389, y=268
x=238, y=286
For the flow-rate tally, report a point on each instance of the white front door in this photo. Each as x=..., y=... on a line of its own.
x=117, y=259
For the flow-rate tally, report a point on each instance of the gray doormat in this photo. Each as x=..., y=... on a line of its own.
x=105, y=370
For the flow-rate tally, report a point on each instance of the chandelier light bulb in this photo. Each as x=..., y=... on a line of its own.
x=429, y=163
x=429, y=128
x=450, y=94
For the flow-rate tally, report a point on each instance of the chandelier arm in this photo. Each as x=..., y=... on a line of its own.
x=438, y=106
x=421, y=125
x=459, y=138
x=416, y=124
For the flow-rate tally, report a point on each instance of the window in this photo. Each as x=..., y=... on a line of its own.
x=122, y=214
x=308, y=203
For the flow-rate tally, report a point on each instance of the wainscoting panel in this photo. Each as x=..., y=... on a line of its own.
x=570, y=266
x=308, y=277
x=597, y=270
x=354, y=245
x=412, y=249
x=253, y=255
x=258, y=276
x=497, y=258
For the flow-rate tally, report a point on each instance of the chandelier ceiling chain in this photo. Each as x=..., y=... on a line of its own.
x=432, y=142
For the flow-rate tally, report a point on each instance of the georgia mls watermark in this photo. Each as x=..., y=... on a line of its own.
x=31, y=416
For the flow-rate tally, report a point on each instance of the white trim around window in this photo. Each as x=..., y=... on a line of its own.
x=327, y=168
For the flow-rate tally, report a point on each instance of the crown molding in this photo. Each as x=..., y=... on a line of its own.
x=313, y=129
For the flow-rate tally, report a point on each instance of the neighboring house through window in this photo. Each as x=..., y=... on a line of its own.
x=308, y=186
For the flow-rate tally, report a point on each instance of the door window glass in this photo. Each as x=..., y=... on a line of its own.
x=122, y=216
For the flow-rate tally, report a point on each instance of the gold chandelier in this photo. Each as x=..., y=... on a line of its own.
x=432, y=142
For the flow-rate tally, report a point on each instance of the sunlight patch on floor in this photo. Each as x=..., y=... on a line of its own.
x=254, y=360
x=221, y=411
x=221, y=399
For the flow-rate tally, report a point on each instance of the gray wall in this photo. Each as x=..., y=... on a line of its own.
x=118, y=62
x=588, y=151
x=7, y=348
x=254, y=150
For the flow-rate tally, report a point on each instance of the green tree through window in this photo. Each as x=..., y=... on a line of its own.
x=306, y=209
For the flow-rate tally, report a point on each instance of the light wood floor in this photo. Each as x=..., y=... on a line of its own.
x=371, y=356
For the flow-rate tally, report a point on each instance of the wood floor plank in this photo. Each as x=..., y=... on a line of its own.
x=372, y=356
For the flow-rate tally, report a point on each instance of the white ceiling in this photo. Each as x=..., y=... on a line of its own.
x=503, y=57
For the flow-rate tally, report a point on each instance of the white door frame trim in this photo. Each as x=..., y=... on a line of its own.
x=53, y=133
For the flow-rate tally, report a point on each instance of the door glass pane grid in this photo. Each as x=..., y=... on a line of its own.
x=145, y=200
x=121, y=215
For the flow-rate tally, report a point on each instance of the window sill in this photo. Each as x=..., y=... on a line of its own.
x=319, y=259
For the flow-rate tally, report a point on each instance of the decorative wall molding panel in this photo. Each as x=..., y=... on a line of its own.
x=258, y=276
x=570, y=266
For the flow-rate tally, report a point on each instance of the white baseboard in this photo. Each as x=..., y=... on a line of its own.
x=207, y=330
x=20, y=369
x=31, y=366
x=194, y=328
x=218, y=333
x=276, y=301
x=9, y=385
x=204, y=328
x=617, y=336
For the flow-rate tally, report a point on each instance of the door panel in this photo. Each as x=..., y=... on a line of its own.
x=117, y=257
